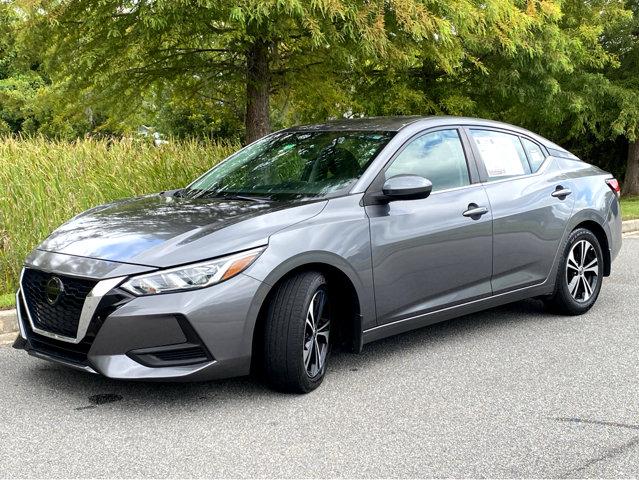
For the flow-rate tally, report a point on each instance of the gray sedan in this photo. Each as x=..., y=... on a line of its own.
x=318, y=237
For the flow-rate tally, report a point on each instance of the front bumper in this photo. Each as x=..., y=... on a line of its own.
x=198, y=335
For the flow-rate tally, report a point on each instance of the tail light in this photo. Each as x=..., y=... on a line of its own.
x=613, y=183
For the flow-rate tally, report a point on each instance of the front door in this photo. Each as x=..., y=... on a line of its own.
x=435, y=252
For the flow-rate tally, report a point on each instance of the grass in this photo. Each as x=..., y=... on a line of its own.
x=630, y=208
x=45, y=183
x=7, y=300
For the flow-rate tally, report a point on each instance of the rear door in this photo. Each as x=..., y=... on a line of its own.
x=530, y=201
x=430, y=253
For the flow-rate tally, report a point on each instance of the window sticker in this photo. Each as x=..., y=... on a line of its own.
x=499, y=155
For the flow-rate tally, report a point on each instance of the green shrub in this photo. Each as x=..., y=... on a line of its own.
x=44, y=183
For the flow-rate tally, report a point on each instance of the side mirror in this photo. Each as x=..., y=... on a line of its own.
x=406, y=187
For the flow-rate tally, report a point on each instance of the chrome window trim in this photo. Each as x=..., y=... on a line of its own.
x=453, y=189
x=88, y=309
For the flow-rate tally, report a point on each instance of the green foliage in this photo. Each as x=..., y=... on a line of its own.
x=47, y=182
x=29, y=103
x=325, y=58
x=566, y=68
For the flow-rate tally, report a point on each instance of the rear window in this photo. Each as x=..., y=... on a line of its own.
x=562, y=154
x=536, y=156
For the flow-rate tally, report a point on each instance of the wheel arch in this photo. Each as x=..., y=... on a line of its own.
x=592, y=220
x=602, y=237
x=342, y=282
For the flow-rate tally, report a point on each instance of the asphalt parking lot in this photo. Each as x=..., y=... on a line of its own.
x=511, y=392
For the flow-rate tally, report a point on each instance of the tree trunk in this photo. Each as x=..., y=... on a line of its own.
x=631, y=183
x=258, y=79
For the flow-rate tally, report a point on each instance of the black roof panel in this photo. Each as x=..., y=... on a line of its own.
x=392, y=124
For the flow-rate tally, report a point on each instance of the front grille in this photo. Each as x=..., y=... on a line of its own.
x=63, y=317
x=67, y=351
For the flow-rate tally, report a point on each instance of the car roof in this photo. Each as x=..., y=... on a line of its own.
x=397, y=123
x=384, y=124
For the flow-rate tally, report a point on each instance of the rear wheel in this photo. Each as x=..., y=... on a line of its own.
x=580, y=274
x=297, y=333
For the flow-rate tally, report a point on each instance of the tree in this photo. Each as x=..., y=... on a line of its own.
x=18, y=82
x=112, y=52
x=622, y=104
x=239, y=56
x=553, y=73
x=29, y=102
x=579, y=88
x=597, y=100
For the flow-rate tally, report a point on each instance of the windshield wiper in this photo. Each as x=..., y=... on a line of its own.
x=197, y=193
x=233, y=196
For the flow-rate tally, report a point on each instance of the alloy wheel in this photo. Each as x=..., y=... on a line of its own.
x=316, y=335
x=582, y=270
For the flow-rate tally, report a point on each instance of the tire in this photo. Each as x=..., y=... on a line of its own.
x=576, y=287
x=296, y=350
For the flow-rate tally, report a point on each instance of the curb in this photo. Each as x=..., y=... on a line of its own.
x=8, y=322
x=629, y=226
x=9, y=319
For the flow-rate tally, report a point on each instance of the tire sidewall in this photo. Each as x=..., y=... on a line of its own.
x=319, y=283
x=563, y=291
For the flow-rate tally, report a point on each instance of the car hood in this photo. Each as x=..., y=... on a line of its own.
x=162, y=231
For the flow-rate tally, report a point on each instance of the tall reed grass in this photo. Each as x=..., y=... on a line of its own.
x=44, y=183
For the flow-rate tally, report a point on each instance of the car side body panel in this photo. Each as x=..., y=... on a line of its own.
x=338, y=237
x=594, y=202
x=427, y=255
x=528, y=226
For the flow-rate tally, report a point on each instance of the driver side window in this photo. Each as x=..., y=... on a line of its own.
x=438, y=156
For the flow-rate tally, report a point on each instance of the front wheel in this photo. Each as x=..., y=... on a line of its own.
x=580, y=274
x=297, y=333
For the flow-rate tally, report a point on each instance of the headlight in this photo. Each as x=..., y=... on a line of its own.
x=188, y=277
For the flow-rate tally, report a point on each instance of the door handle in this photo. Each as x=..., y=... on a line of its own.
x=475, y=211
x=561, y=192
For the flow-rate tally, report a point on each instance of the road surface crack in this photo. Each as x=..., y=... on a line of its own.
x=608, y=454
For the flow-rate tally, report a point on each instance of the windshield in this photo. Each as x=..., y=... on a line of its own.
x=293, y=165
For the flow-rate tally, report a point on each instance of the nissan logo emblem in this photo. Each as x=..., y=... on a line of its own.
x=53, y=290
